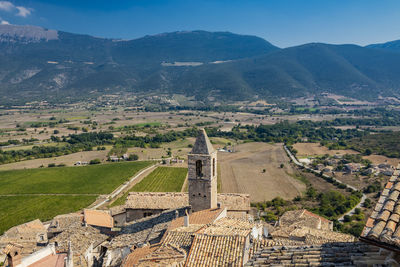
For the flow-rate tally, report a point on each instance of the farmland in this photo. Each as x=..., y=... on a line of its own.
x=44, y=193
x=162, y=179
x=99, y=179
x=20, y=209
x=315, y=149
x=256, y=169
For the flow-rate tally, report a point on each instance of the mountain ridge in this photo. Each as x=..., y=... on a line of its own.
x=221, y=65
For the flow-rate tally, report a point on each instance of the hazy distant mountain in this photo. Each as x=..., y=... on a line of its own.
x=390, y=46
x=47, y=64
x=310, y=69
x=25, y=34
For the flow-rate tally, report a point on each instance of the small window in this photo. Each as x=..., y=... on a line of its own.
x=214, y=167
x=199, y=168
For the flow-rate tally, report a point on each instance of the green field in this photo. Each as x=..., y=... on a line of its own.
x=81, y=186
x=162, y=179
x=95, y=179
x=21, y=209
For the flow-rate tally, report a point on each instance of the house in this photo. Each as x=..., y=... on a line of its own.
x=62, y=222
x=45, y=257
x=382, y=227
x=100, y=219
x=203, y=238
x=304, y=218
x=114, y=158
x=142, y=204
x=352, y=167
x=319, y=167
x=30, y=236
x=328, y=169
x=84, y=241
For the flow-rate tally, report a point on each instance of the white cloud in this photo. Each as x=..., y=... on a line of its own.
x=4, y=22
x=6, y=6
x=23, y=11
x=10, y=7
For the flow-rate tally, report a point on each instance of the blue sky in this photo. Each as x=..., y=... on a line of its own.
x=282, y=22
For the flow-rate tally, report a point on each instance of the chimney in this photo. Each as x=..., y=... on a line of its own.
x=186, y=219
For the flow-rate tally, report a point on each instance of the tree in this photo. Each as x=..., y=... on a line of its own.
x=368, y=152
x=133, y=157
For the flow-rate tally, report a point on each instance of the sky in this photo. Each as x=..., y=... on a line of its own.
x=284, y=23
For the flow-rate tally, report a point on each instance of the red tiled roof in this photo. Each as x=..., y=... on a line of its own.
x=382, y=227
x=56, y=260
x=200, y=217
x=216, y=251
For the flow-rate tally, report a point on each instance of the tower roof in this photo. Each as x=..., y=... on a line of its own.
x=202, y=144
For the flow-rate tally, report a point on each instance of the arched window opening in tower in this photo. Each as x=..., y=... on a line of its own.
x=213, y=167
x=199, y=168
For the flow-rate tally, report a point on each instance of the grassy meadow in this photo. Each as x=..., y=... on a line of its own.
x=29, y=194
x=162, y=179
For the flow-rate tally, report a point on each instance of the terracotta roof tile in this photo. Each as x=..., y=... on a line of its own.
x=98, y=218
x=370, y=222
x=383, y=224
x=200, y=217
x=389, y=185
x=383, y=216
x=216, y=251
x=56, y=260
x=172, y=200
x=394, y=195
x=133, y=258
x=389, y=205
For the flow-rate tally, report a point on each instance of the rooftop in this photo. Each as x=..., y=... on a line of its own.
x=199, y=217
x=100, y=218
x=216, y=251
x=62, y=222
x=331, y=254
x=202, y=144
x=382, y=226
x=172, y=200
x=81, y=238
x=56, y=260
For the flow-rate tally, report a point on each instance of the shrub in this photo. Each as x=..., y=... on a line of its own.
x=95, y=161
x=51, y=165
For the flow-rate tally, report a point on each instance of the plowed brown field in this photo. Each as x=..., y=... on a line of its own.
x=242, y=172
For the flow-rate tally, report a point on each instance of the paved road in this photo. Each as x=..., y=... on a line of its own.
x=352, y=211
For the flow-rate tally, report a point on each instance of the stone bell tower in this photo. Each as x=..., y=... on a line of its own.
x=202, y=174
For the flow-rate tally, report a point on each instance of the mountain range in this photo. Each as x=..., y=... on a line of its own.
x=42, y=64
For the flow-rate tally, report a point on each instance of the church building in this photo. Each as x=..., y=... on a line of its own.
x=202, y=195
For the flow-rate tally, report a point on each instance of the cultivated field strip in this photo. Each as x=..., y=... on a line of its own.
x=29, y=194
